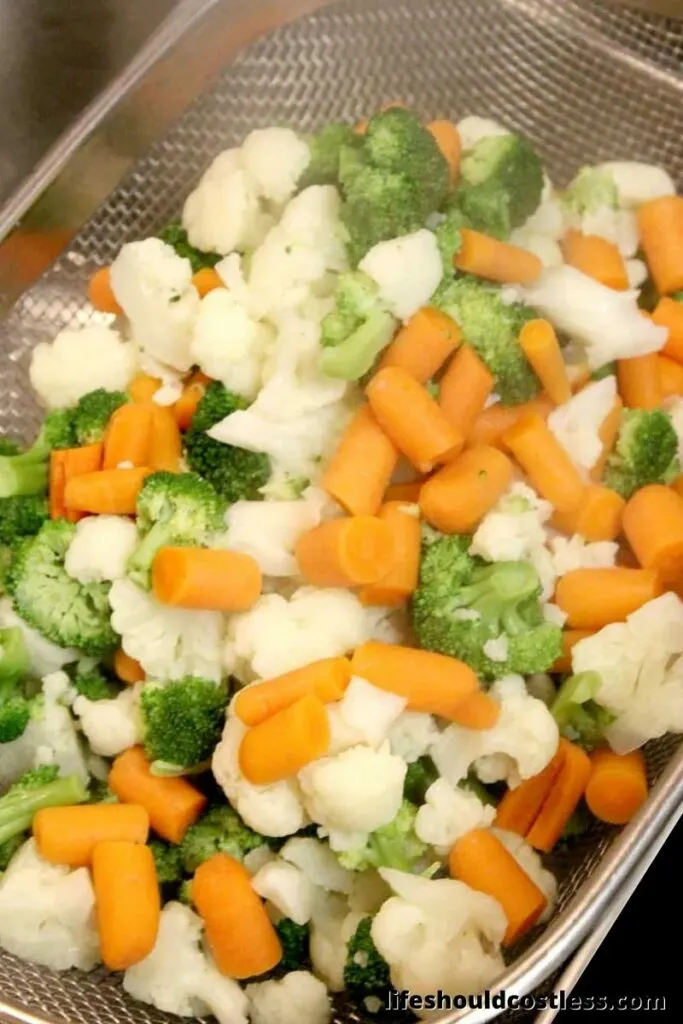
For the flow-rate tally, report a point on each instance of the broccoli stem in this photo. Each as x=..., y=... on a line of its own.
x=496, y=593
x=575, y=690
x=18, y=806
x=14, y=659
x=140, y=562
x=166, y=770
x=21, y=475
x=352, y=359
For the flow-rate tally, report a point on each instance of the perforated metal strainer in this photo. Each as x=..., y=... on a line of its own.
x=586, y=81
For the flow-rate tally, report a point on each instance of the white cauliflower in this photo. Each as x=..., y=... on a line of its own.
x=514, y=529
x=80, y=360
x=542, y=232
x=636, y=272
x=168, y=642
x=47, y=913
x=364, y=715
x=171, y=381
x=412, y=734
x=318, y=863
x=275, y=158
x=111, y=726
x=198, y=989
x=637, y=183
x=530, y=862
x=570, y=553
x=473, y=129
x=407, y=271
x=45, y=656
x=332, y=925
x=577, y=423
x=448, y=813
x=287, y=888
x=100, y=549
x=298, y=998
x=526, y=735
x=368, y=892
x=613, y=224
x=228, y=345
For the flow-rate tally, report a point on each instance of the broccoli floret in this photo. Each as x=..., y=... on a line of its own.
x=100, y=793
x=590, y=190
x=366, y=972
x=173, y=508
x=69, y=613
x=27, y=472
x=294, y=939
x=392, y=846
x=419, y=777
x=182, y=722
x=184, y=894
x=235, y=473
x=220, y=830
x=492, y=328
x=357, y=330
x=577, y=714
x=577, y=826
x=645, y=452
x=168, y=860
x=33, y=791
x=175, y=235
x=93, y=412
x=21, y=516
x=449, y=237
x=92, y=682
x=15, y=709
x=502, y=183
x=325, y=147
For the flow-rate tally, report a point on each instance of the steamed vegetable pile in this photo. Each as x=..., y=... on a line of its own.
x=341, y=583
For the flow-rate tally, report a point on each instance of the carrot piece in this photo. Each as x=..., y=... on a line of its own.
x=495, y=260
x=64, y=465
x=241, y=937
x=670, y=377
x=128, y=669
x=448, y=140
x=593, y=598
x=608, y=433
x=490, y=427
x=563, y=798
x=143, y=387
x=394, y=589
x=545, y=461
x=480, y=860
x=458, y=497
x=281, y=746
x=596, y=257
x=107, y=492
x=347, y=552
x=640, y=383
x=677, y=485
x=166, y=446
x=541, y=347
x=407, y=494
x=653, y=526
x=669, y=313
x=207, y=280
x=617, y=787
x=570, y=638
x=214, y=580
x=361, y=468
x=172, y=803
x=193, y=392
x=68, y=835
x=127, y=902
x=327, y=679
x=423, y=345
x=129, y=435
x=660, y=222
x=597, y=517
x=100, y=292
x=478, y=712
x=429, y=682
x=519, y=808
x=464, y=389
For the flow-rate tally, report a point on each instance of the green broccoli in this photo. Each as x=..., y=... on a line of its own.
x=69, y=613
x=27, y=473
x=325, y=147
x=392, y=846
x=219, y=830
x=294, y=939
x=645, y=452
x=357, y=330
x=182, y=723
x=591, y=189
x=577, y=826
x=9, y=848
x=8, y=446
x=92, y=682
x=235, y=473
x=93, y=412
x=579, y=717
x=168, y=860
x=608, y=370
x=100, y=792
x=173, y=508
x=366, y=972
x=184, y=894
x=175, y=235
x=492, y=328
x=15, y=709
x=33, y=791
x=22, y=516
x=449, y=237
x=502, y=184
x=419, y=777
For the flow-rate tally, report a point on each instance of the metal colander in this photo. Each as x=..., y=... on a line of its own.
x=587, y=82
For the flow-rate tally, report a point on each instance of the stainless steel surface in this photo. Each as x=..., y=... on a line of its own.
x=585, y=80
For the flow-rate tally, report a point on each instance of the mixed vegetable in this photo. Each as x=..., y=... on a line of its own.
x=341, y=584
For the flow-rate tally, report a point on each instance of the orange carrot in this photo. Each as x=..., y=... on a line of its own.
x=593, y=598
x=327, y=679
x=495, y=260
x=128, y=669
x=100, y=293
x=570, y=638
x=129, y=435
x=66, y=464
x=464, y=389
x=172, y=803
x=519, y=808
x=281, y=746
x=617, y=787
x=361, y=468
x=407, y=494
x=653, y=526
x=677, y=485
x=107, y=492
x=424, y=344
x=596, y=257
x=207, y=280
x=166, y=446
x=193, y=392
x=597, y=517
x=541, y=347
x=640, y=385
x=143, y=387
x=546, y=463
x=563, y=798
x=480, y=860
x=448, y=139
x=68, y=835
x=458, y=497
x=347, y=552
x=669, y=313
x=670, y=377
x=395, y=588
x=660, y=222
x=608, y=433
x=494, y=421
x=429, y=682
x=127, y=902
x=240, y=935
x=215, y=580
x=478, y=712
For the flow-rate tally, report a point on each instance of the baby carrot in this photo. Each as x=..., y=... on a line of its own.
x=412, y=419
x=407, y=494
x=593, y=598
x=394, y=589
x=143, y=387
x=608, y=433
x=478, y=712
x=207, y=280
x=361, y=468
x=596, y=257
x=327, y=679
x=492, y=424
x=480, y=860
x=570, y=638
x=653, y=526
x=127, y=902
x=670, y=377
x=423, y=345
x=669, y=313
x=166, y=446
x=519, y=808
x=214, y=580
x=448, y=140
x=172, y=803
x=129, y=435
x=660, y=222
x=281, y=746
x=541, y=347
x=464, y=389
x=545, y=461
x=456, y=498
x=128, y=669
x=495, y=260
x=640, y=384
x=65, y=464
x=68, y=835
x=429, y=682
x=107, y=492
x=193, y=392
x=100, y=293
x=617, y=787
x=347, y=552
x=563, y=798
x=242, y=940
x=597, y=517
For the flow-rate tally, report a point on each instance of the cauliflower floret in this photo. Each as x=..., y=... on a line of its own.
x=47, y=913
x=358, y=790
x=228, y=345
x=542, y=232
x=637, y=273
x=45, y=656
x=331, y=928
x=287, y=888
x=318, y=863
x=514, y=528
x=530, y=862
x=617, y=226
x=570, y=553
x=275, y=158
x=637, y=183
x=101, y=548
x=363, y=715
x=577, y=423
x=298, y=998
x=168, y=642
x=412, y=734
x=473, y=129
x=448, y=813
x=111, y=726
x=198, y=989
x=78, y=361
x=407, y=271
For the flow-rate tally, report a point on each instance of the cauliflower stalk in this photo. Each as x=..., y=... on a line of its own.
x=65, y=370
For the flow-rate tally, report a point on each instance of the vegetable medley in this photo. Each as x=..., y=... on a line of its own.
x=340, y=585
